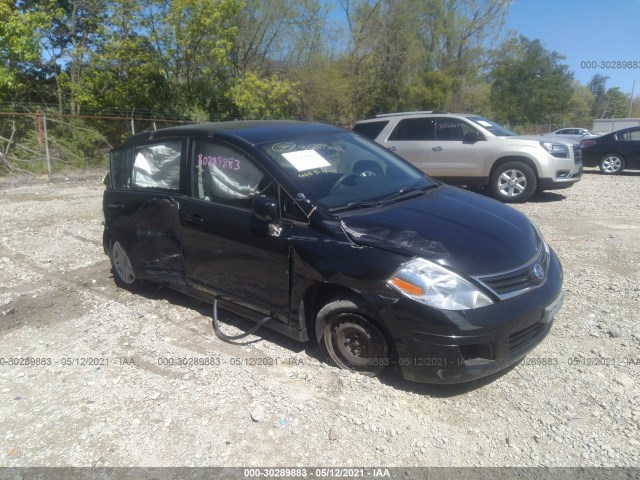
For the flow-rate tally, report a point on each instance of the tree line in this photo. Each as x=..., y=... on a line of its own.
x=335, y=61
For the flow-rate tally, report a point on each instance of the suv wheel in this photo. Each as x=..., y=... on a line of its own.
x=611, y=164
x=513, y=182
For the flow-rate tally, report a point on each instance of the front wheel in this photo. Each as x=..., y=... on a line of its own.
x=513, y=182
x=351, y=340
x=611, y=163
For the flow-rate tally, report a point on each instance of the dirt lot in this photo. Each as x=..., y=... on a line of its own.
x=101, y=391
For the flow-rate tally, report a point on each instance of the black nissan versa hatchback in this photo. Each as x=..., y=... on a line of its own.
x=334, y=238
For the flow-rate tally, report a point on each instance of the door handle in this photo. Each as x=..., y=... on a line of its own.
x=116, y=206
x=438, y=148
x=392, y=148
x=195, y=219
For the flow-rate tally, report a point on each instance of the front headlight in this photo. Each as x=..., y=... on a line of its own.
x=429, y=283
x=556, y=149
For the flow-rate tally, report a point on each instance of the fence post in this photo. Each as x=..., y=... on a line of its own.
x=46, y=145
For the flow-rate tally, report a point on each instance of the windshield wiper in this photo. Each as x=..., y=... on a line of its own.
x=351, y=205
x=409, y=192
x=403, y=194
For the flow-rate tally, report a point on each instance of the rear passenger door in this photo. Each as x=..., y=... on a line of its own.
x=228, y=252
x=141, y=209
x=413, y=139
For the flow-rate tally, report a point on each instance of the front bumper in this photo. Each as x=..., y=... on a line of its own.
x=559, y=182
x=457, y=346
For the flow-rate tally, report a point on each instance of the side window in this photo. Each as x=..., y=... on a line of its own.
x=225, y=175
x=451, y=129
x=120, y=168
x=624, y=136
x=414, y=129
x=634, y=135
x=370, y=129
x=157, y=165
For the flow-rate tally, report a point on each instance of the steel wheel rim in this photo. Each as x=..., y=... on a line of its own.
x=122, y=264
x=512, y=183
x=357, y=344
x=611, y=164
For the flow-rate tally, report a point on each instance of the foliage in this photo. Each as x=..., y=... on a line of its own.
x=20, y=46
x=617, y=104
x=331, y=60
x=530, y=84
x=264, y=98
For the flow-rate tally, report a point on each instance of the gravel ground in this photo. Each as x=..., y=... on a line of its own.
x=108, y=397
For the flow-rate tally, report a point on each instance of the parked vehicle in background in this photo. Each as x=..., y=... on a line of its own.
x=577, y=134
x=321, y=234
x=470, y=150
x=613, y=152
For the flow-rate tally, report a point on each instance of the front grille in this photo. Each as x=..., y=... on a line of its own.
x=527, y=337
x=577, y=154
x=510, y=284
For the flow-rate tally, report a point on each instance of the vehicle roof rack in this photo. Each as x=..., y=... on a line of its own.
x=395, y=114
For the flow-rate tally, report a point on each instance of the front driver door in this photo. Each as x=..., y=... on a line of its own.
x=227, y=251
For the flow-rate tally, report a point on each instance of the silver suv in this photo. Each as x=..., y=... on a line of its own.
x=470, y=150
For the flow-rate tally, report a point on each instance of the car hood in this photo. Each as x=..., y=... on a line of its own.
x=470, y=233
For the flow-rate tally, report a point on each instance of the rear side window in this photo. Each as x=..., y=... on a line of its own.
x=413, y=129
x=632, y=135
x=158, y=165
x=120, y=168
x=225, y=175
x=370, y=129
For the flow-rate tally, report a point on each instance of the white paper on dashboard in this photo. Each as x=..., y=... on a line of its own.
x=306, y=160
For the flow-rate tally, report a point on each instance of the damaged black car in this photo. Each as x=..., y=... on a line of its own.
x=323, y=235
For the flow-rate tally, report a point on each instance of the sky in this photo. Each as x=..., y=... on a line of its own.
x=587, y=33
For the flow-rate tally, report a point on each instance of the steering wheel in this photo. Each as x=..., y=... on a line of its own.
x=344, y=180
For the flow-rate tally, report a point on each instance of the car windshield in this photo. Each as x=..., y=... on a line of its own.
x=341, y=170
x=495, y=128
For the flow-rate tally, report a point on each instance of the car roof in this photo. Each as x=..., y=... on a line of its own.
x=251, y=131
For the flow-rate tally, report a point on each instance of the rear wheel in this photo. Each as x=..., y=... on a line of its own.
x=611, y=163
x=351, y=340
x=513, y=182
x=123, y=273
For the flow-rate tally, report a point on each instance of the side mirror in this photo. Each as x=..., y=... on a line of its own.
x=473, y=137
x=265, y=207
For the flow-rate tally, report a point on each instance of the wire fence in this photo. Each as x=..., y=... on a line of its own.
x=49, y=142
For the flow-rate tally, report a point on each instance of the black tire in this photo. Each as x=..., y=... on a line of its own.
x=122, y=268
x=350, y=339
x=513, y=182
x=611, y=164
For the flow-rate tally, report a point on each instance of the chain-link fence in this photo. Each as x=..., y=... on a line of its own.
x=49, y=142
